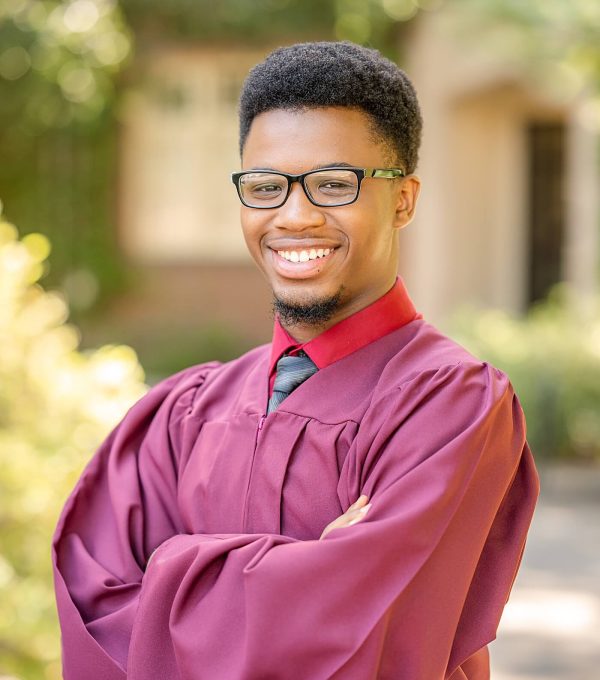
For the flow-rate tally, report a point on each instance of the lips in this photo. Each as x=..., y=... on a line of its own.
x=301, y=269
x=298, y=244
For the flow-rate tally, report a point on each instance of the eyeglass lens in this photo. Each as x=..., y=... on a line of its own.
x=325, y=187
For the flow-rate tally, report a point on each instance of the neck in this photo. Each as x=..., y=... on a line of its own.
x=303, y=330
x=303, y=333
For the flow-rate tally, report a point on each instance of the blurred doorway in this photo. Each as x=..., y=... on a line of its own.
x=546, y=219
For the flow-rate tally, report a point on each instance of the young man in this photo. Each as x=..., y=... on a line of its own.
x=221, y=532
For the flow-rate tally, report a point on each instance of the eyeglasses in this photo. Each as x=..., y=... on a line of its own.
x=326, y=187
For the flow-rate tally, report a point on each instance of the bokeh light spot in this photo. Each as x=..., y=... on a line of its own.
x=14, y=63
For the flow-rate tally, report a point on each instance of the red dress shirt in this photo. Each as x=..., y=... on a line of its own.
x=386, y=314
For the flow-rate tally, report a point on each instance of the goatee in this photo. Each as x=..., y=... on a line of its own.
x=309, y=313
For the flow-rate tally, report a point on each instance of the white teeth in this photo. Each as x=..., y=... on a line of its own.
x=304, y=255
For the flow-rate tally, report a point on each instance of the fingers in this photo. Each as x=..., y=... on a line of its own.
x=360, y=514
x=353, y=514
x=362, y=499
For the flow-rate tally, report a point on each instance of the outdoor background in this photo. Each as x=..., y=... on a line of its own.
x=121, y=258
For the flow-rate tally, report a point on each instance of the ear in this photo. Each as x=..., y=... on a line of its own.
x=407, y=193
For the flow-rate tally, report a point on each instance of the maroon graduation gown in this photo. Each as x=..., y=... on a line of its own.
x=233, y=503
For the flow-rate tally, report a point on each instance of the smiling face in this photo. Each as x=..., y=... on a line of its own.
x=340, y=258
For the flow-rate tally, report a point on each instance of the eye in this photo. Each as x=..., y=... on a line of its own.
x=265, y=188
x=336, y=186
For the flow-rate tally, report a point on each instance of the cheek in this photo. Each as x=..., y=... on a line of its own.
x=372, y=226
x=251, y=228
x=372, y=235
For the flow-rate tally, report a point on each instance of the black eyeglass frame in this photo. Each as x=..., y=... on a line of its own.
x=361, y=173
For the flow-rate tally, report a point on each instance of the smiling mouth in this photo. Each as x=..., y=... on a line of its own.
x=304, y=255
x=302, y=263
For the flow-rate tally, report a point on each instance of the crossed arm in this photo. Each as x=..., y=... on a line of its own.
x=412, y=591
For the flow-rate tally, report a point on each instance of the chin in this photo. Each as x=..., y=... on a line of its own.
x=305, y=294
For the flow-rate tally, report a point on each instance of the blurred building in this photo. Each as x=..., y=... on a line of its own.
x=509, y=204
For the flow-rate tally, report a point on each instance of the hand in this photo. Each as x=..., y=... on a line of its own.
x=353, y=514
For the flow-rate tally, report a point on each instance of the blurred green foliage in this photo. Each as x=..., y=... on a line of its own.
x=61, y=58
x=538, y=34
x=56, y=406
x=266, y=22
x=58, y=67
x=168, y=349
x=552, y=356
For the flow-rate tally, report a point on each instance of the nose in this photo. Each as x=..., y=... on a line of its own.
x=298, y=213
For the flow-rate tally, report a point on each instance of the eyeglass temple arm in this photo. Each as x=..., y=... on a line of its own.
x=389, y=174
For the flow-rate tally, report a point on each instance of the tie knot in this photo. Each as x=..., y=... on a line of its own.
x=292, y=371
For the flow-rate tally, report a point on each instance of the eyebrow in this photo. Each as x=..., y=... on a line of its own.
x=322, y=166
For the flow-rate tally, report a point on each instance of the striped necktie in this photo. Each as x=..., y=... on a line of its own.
x=291, y=372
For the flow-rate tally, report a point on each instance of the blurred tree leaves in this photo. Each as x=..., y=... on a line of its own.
x=56, y=406
x=270, y=22
x=538, y=34
x=58, y=60
x=552, y=356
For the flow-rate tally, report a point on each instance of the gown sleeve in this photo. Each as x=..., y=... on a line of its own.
x=411, y=592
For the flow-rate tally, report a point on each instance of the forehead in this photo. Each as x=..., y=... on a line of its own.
x=299, y=140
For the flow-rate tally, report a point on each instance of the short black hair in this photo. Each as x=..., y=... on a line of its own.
x=320, y=74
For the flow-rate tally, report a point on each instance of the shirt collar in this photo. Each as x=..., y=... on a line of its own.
x=390, y=312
